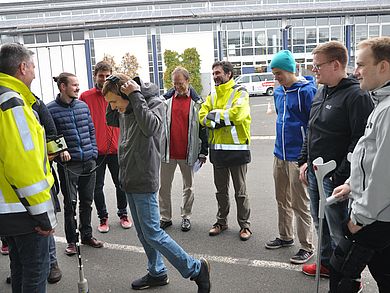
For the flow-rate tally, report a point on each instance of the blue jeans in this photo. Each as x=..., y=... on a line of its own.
x=52, y=250
x=334, y=216
x=29, y=255
x=112, y=162
x=146, y=217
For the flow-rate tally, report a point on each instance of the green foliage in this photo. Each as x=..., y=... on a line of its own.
x=190, y=60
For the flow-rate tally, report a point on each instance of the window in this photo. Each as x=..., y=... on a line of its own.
x=29, y=39
x=66, y=36
x=336, y=33
x=261, y=39
x=78, y=35
x=41, y=38
x=256, y=78
x=323, y=34
x=54, y=37
x=246, y=39
x=373, y=31
x=361, y=33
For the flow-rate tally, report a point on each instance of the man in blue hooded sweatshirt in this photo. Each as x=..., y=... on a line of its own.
x=292, y=102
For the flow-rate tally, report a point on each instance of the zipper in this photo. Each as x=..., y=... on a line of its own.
x=361, y=166
x=283, y=124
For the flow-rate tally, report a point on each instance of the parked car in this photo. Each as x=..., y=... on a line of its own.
x=257, y=83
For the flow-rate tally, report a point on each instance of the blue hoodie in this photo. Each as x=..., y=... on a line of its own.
x=293, y=108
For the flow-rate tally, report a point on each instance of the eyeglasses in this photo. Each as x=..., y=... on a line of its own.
x=318, y=66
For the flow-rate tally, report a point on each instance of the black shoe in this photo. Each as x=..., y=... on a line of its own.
x=55, y=274
x=8, y=280
x=302, y=256
x=148, y=281
x=185, y=225
x=165, y=224
x=278, y=243
x=203, y=279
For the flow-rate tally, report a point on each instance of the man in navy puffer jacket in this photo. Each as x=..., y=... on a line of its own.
x=73, y=121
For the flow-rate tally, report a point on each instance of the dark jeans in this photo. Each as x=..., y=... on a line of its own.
x=84, y=185
x=335, y=215
x=29, y=255
x=113, y=165
x=377, y=237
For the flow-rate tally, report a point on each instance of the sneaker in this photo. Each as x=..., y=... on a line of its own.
x=301, y=256
x=148, y=281
x=165, y=224
x=103, y=226
x=93, y=242
x=203, y=279
x=71, y=249
x=55, y=274
x=185, y=225
x=278, y=243
x=125, y=222
x=310, y=270
x=4, y=249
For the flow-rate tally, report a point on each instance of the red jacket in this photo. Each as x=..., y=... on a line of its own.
x=106, y=136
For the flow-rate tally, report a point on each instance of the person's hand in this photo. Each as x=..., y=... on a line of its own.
x=52, y=156
x=342, y=191
x=303, y=174
x=42, y=232
x=202, y=158
x=353, y=228
x=129, y=87
x=65, y=156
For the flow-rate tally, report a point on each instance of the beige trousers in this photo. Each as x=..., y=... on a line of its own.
x=292, y=198
x=166, y=175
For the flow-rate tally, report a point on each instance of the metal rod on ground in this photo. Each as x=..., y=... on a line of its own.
x=82, y=283
x=321, y=169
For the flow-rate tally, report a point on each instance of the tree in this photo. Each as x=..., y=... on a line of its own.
x=129, y=64
x=190, y=60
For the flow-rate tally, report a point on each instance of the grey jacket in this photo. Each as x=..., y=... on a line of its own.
x=141, y=128
x=197, y=135
x=370, y=165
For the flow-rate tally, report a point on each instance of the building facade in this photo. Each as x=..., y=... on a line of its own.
x=72, y=36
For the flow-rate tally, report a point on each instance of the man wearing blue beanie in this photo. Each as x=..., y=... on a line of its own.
x=292, y=103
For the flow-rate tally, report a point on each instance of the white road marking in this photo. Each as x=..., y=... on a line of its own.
x=263, y=137
x=214, y=258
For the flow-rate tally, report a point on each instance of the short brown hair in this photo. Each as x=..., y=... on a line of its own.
x=115, y=87
x=334, y=51
x=102, y=66
x=181, y=70
x=380, y=47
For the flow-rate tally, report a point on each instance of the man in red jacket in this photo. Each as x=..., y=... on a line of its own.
x=107, y=142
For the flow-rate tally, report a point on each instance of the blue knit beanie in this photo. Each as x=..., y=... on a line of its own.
x=284, y=60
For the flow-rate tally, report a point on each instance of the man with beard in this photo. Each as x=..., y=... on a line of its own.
x=73, y=121
x=226, y=113
x=107, y=144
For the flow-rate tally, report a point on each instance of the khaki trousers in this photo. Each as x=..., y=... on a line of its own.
x=292, y=198
x=221, y=181
x=166, y=175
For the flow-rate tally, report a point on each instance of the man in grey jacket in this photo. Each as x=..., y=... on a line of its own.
x=140, y=114
x=367, y=232
x=185, y=143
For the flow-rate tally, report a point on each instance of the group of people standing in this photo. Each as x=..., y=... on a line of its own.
x=141, y=136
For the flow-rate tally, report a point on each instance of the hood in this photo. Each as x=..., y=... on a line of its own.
x=149, y=89
x=344, y=83
x=381, y=93
x=302, y=81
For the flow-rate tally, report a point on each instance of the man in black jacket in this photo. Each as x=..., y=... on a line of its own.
x=337, y=120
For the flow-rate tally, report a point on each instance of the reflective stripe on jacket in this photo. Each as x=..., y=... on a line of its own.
x=25, y=177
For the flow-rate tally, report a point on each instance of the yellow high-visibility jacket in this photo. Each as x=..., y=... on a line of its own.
x=25, y=177
x=227, y=115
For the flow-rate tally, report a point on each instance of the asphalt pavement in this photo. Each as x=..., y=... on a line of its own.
x=236, y=266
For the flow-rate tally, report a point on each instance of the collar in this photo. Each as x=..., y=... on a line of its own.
x=18, y=86
x=223, y=88
x=175, y=95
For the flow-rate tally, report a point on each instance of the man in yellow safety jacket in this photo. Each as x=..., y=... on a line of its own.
x=226, y=113
x=26, y=209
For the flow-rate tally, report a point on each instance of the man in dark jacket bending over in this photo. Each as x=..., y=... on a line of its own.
x=140, y=114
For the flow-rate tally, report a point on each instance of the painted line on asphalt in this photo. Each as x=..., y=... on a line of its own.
x=263, y=137
x=215, y=258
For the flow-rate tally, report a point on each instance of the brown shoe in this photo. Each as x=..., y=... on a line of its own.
x=217, y=229
x=245, y=234
x=92, y=242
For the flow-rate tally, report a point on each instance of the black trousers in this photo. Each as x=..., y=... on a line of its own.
x=83, y=183
x=376, y=237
